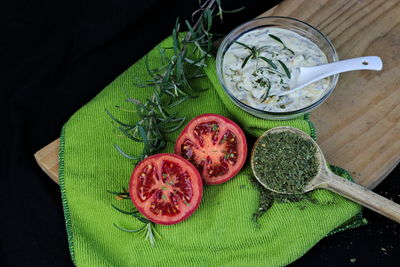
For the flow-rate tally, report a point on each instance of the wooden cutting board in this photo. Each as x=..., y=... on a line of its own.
x=359, y=125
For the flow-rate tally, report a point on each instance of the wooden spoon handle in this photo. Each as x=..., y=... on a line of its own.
x=363, y=196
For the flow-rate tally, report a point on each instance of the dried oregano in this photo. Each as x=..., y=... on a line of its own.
x=285, y=162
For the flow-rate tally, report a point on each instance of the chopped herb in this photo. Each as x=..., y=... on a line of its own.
x=267, y=197
x=261, y=82
x=285, y=161
x=264, y=83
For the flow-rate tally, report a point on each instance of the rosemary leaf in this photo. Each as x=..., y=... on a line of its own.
x=130, y=136
x=116, y=120
x=125, y=154
x=276, y=39
x=285, y=68
x=245, y=60
x=123, y=211
x=280, y=41
x=174, y=128
x=272, y=64
x=140, y=218
x=129, y=231
x=178, y=101
x=245, y=45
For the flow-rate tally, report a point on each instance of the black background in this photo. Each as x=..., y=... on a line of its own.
x=55, y=57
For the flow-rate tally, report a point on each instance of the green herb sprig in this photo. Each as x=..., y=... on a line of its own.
x=255, y=53
x=171, y=83
x=147, y=229
x=280, y=41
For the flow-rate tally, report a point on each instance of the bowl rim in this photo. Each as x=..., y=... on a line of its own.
x=219, y=59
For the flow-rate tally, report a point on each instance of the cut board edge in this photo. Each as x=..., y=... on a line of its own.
x=47, y=159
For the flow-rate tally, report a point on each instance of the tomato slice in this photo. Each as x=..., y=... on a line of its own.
x=215, y=145
x=165, y=188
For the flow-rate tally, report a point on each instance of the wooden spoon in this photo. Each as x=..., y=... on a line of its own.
x=325, y=178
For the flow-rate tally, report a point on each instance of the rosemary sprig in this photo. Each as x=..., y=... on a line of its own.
x=171, y=82
x=255, y=53
x=280, y=41
x=147, y=229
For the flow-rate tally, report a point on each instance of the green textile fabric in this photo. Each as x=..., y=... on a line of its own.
x=220, y=233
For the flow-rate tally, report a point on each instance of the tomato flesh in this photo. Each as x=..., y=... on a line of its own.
x=215, y=145
x=165, y=188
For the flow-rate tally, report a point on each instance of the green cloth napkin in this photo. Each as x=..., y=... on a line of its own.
x=220, y=233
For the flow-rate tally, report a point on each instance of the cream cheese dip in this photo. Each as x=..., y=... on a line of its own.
x=262, y=63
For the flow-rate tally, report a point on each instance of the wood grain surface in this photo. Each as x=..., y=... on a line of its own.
x=359, y=125
x=47, y=158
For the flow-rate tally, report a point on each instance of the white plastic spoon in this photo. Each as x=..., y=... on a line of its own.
x=304, y=76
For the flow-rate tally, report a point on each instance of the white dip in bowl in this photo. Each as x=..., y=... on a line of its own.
x=262, y=62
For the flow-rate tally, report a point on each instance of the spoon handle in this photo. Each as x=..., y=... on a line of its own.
x=362, y=196
x=358, y=63
x=308, y=75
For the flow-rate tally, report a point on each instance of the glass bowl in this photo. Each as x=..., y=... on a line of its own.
x=287, y=23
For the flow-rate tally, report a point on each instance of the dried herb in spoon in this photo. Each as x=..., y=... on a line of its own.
x=285, y=162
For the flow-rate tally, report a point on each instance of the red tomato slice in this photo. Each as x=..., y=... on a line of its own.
x=215, y=145
x=165, y=188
